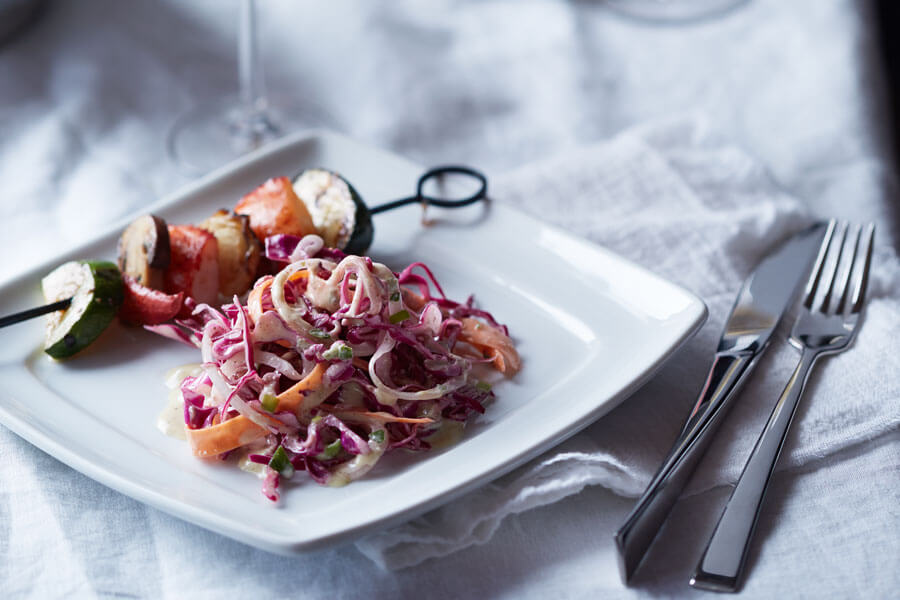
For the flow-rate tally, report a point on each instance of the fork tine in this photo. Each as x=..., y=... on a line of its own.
x=812, y=283
x=829, y=269
x=860, y=274
x=845, y=268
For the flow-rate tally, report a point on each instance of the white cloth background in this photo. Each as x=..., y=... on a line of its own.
x=700, y=213
x=528, y=91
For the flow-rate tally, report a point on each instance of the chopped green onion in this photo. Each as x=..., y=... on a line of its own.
x=317, y=333
x=281, y=463
x=316, y=419
x=331, y=450
x=395, y=296
x=377, y=435
x=338, y=351
x=269, y=401
x=399, y=316
x=483, y=386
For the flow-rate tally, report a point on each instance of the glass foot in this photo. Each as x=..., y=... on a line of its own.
x=210, y=136
x=673, y=11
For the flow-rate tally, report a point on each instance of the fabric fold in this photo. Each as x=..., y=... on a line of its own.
x=681, y=201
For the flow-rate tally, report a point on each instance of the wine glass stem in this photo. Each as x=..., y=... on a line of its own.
x=250, y=68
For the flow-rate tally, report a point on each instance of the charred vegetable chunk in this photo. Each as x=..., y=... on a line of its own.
x=239, y=251
x=194, y=268
x=144, y=251
x=145, y=306
x=274, y=208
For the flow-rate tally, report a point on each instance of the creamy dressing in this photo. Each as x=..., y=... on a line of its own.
x=384, y=396
x=356, y=467
x=176, y=376
x=352, y=395
x=171, y=420
x=448, y=434
x=245, y=464
x=322, y=293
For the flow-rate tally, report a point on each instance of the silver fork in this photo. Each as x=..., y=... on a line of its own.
x=826, y=324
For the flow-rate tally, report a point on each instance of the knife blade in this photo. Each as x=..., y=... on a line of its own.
x=763, y=298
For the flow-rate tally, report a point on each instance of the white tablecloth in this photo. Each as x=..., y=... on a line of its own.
x=87, y=96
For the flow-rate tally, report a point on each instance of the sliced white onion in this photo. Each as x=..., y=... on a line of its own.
x=307, y=247
x=292, y=314
x=279, y=364
x=389, y=396
x=359, y=465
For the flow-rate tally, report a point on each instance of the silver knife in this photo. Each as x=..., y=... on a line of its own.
x=764, y=297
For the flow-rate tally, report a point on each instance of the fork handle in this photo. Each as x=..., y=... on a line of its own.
x=723, y=560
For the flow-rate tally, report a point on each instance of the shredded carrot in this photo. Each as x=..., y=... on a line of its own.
x=222, y=437
x=240, y=431
x=254, y=298
x=412, y=299
x=291, y=398
x=352, y=414
x=493, y=343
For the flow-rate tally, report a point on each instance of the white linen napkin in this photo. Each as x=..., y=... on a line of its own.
x=699, y=212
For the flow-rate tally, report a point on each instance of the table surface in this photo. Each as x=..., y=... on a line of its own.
x=498, y=85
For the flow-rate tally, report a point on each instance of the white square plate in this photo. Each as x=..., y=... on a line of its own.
x=590, y=326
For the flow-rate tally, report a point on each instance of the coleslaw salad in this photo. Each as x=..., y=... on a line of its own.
x=332, y=362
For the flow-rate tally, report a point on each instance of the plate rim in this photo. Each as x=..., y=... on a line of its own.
x=291, y=544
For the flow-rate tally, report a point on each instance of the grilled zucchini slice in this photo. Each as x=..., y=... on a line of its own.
x=96, y=290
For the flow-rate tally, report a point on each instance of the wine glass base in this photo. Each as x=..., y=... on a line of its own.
x=673, y=11
x=213, y=135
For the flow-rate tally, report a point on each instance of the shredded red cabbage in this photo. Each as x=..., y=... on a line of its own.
x=381, y=366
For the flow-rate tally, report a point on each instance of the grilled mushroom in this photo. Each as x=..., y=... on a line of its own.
x=144, y=250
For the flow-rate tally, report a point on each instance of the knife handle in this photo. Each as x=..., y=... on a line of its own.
x=647, y=517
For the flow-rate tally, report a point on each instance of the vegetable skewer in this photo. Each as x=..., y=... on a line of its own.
x=34, y=312
x=162, y=263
